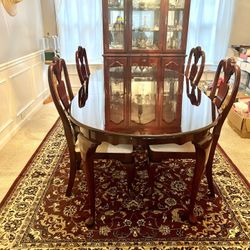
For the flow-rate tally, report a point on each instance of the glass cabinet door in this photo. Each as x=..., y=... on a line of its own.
x=175, y=24
x=143, y=94
x=145, y=24
x=116, y=96
x=116, y=24
x=170, y=95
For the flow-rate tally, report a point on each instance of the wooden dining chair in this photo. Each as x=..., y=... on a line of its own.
x=223, y=96
x=195, y=65
x=82, y=64
x=83, y=72
x=62, y=96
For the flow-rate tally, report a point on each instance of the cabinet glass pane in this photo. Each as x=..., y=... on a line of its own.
x=170, y=94
x=145, y=24
x=175, y=24
x=116, y=24
x=117, y=94
x=143, y=94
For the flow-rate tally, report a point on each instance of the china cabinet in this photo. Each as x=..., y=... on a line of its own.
x=143, y=42
x=148, y=26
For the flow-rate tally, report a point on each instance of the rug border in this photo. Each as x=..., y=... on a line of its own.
x=14, y=184
x=239, y=173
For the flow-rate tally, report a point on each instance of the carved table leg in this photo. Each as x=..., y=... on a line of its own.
x=87, y=149
x=202, y=151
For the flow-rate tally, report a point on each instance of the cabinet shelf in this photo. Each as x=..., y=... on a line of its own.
x=147, y=9
x=176, y=9
x=112, y=8
x=146, y=30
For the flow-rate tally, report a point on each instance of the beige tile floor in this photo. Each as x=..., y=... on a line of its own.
x=20, y=148
x=16, y=153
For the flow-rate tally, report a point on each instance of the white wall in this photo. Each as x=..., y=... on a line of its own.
x=241, y=23
x=22, y=85
x=49, y=17
x=21, y=34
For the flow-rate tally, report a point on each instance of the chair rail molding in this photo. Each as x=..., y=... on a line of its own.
x=23, y=59
x=23, y=87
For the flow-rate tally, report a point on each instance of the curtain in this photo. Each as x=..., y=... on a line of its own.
x=210, y=24
x=80, y=23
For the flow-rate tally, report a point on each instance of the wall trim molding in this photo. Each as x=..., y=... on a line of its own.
x=6, y=125
x=43, y=94
x=25, y=108
x=19, y=60
x=19, y=72
x=13, y=126
x=27, y=103
x=3, y=81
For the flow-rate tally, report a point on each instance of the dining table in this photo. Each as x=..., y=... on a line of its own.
x=143, y=110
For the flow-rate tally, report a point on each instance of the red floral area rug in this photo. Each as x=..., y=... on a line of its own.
x=36, y=214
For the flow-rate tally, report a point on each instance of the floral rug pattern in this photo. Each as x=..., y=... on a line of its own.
x=37, y=214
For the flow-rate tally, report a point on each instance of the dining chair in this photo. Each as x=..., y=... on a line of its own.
x=83, y=72
x=82, y=64
x=195, y=65
x=194, y=94
x=223, y=96
x=62, y=95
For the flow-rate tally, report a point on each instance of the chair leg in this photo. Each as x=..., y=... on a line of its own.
x=209, y=172
x=78, y=160
x=74, y=165
x=209, y=165
x=131, y=175
x=72, y=174
x=151, y=177
x=209, y=175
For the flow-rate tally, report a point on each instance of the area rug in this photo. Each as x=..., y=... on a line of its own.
x=36, y=214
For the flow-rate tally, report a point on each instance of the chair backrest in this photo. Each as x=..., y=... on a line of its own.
x=62, y=95
x=195, y=94
x=59, y=84
x=224, y=93
x=195, y=65
x=82, y=65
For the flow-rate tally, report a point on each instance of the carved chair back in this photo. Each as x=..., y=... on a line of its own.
x=83, y=71
x=195, y=65
x=82, y=65
x=225, y=87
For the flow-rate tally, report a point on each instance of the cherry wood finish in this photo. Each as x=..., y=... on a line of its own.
x=62, y=95
x=82, y=64
x=83, y=72
x=194, y=71
x=223, y=96
x=154, y=29
x=133, y=19
x=123, y=116
x=205, y=149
